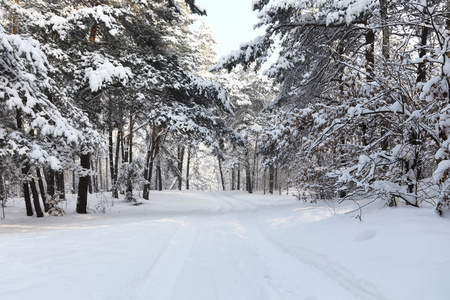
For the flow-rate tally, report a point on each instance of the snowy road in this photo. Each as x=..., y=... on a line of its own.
x=186, y=246
x=227, y=255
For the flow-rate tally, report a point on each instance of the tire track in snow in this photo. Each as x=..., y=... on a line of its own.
x=159, y=280
x=273, y=273
x=360, y=288
x=246, y=268
x=262, y=268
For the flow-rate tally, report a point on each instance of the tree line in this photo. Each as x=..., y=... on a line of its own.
x=364, y=94
x=117, y=96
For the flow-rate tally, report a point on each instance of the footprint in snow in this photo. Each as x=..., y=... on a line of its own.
x=366, y=235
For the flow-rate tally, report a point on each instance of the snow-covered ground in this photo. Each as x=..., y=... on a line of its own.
x=232, y=246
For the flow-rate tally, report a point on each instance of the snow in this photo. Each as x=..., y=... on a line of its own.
x=396, y=107
x=104, y=73
x=194, y=245
x=441, y=172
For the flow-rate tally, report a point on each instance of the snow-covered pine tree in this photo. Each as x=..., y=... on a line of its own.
x=350, y=106
x=34, y=130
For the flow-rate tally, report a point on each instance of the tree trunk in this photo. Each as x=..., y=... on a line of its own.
x=129, y=193
x=156, y=179
x=248, y=177
x=115, y=189
x=180, y=166
x=188, y=165
x=91, y=178
x=2, y=194
x=93, y=33
x=238, y=179
x=35, y=193
x=370, y=56
x=233, y=179
x=25, y=170
x=26, y=191
x=60, y=185
x=254, y=168
x=264, y=181
x=124, y=146
x=385, y=29
x=131, y=138
x=149, y=165
x=221, y=173
x=276, y=182
x=83, y=184
x=74, y=182
x=147, y=173
x=271, y=178
x=50, y=183
x=100, y=185
x=106, y=174
x=42, y=190
x=158, y=170
x=152, y=153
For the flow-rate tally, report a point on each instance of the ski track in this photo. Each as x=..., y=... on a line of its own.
x=228, y=242
x=360, y=288
x=159, y=279
x=266, y=250
x=220, y=249
x=297, y=259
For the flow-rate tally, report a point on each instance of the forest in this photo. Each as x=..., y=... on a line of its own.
x=126, y=97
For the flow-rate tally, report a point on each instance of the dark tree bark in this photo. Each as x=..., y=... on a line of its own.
x=238, y=186
x=248, y=178
x=233, y=179
x=26, y=192
x=35, y=193
x=83, y=185
x=370, y=56
x=264, y=180
x=148, y=171
x=180, y=166
x=90, y=179
x=123, y=147
x=156, y=179
x=271, y=178
x=115, y=190
x=159, y=174
x=254, y=168
x=2, y=194
x=95, y=178
x=421, y=70
x=130, y=139
x=233, y=174
x=129, y=193
x=152, y=153
x=147, y=174
x=50, y=183
x=25, y=170
x=74, y=182
x=60, y=185
x=42, y=190
x=100, y=186
x=276, y=182
x=385, y=29
x=188, y=163
x=221, y=173
x=106, y=174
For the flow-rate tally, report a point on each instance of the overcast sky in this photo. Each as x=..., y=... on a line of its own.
x=232, y=22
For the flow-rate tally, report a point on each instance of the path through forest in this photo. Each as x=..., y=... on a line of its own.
x=197, y=246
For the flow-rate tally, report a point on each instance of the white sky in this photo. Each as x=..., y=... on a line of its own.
x=232, y=22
